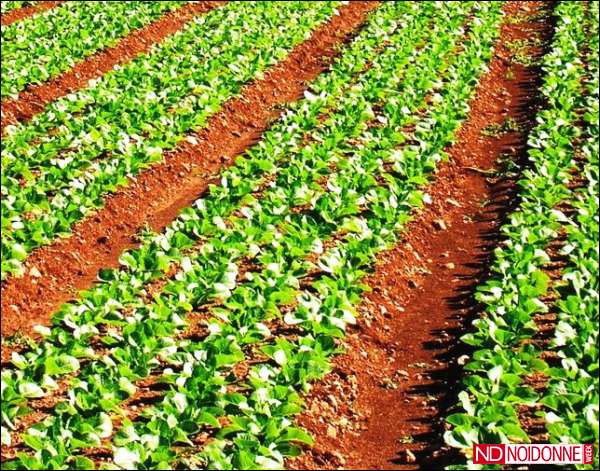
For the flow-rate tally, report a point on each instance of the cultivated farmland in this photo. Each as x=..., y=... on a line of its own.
x=306, y=235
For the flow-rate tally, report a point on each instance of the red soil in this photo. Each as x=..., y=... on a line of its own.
x=26, y=12
x=34, y=99
x=156, y=196
x=383, y=405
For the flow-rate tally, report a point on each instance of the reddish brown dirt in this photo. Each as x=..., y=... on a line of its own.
x=383, y=405
x=33, y=100
x=26, y=12
x=156, y=196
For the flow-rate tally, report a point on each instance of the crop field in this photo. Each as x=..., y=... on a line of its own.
x=298, y=235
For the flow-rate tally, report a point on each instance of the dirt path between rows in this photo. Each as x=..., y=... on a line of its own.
x=383, y=405
x=156, y=196
x=35, y=98
x=25, y=12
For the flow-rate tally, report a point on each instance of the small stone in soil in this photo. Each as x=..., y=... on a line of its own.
x=419, y=365
x=388, y=383
x=338, y=456
x=333, y=401
x=440, y=224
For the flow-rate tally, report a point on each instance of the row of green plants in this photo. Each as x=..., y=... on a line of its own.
x=45, y=45
x=59, y=167
x=342, y=196
x=508, y=359
x=572, y=395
